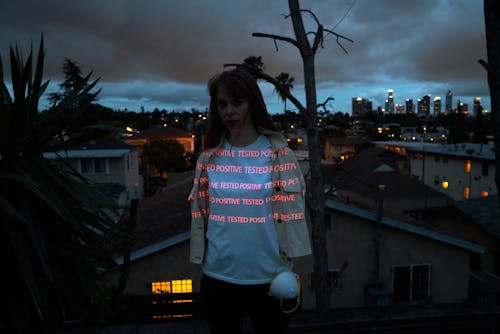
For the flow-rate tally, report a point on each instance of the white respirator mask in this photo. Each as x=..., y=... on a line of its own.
x=285, y=286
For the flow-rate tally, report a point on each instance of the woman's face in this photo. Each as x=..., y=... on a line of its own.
x=234, y=112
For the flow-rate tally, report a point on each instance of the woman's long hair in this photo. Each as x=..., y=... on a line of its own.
x=242, y=85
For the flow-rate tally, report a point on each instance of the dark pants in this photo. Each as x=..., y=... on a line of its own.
x=226, y=305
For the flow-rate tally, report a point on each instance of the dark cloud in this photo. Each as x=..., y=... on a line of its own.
x=154, y=45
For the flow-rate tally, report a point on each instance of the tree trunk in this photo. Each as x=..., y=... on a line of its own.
x=316, y=195
x=492, y=25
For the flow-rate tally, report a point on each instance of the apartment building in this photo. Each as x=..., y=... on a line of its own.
x=461, y=171
x=111, y=163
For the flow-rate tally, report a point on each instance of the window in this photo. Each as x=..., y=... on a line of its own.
x=467, y=165
x=94, y=165
x=182, y=285
x=86, y=166
x=174, y=286
x=166, y=293
x=484, y=168
x=411, y=283
x=161, y=287
x=129, y=161
x=100, y=165
x=466, y=192
x=484, y=193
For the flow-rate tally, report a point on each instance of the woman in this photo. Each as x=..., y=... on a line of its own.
x=247, y=205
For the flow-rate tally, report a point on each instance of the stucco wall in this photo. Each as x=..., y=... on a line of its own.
x=352, y=240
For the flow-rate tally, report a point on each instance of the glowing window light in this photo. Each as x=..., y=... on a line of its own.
x=161, y=287
x=182, y=285
x=444, y=184
x=467, y=166
x=484, y=193
x=466, y=192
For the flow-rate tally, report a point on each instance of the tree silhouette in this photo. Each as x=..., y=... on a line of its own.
x=315, y=195
x=286, y=83
x=73, y=78
x=492, y=66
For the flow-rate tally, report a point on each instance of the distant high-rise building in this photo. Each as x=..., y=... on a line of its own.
x=462, y=108
x=437, y=106
x=410, y=109
x=424, y=104
x=361, y=106
x=399, y=108
x=477, y=106
x=389, y=103
x=449, y=102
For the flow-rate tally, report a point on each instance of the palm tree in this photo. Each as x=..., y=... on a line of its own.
x=286, y=84
x=55, y=229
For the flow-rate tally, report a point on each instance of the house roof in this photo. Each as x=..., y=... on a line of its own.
x=361, y=175
x=160, y=131
x=484, y=211
x=93, y=149
x=163, y=219
x=467, y=150
x=404, y=226
x=346, y=140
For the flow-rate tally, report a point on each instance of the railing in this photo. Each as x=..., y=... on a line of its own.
x=159, y=307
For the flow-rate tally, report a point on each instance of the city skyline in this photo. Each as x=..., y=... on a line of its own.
x=160, y=54
x=454, y=102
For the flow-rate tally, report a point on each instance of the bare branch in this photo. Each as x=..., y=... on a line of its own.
x=338, y=39
x=318, y=39
x=323, y=105
x=276, y=37
x=339, y=35
x=486, y=66
x=312, y=14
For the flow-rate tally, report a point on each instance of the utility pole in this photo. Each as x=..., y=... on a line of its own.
x=380, y=205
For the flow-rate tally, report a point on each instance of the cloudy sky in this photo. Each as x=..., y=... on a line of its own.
x=160, y=53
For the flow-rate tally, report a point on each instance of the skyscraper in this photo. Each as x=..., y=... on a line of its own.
x=424, y=104
x=389, y=104
x=449, y=102
x=361, y=106
x=477, y=105
x=410, y=109
x=437, y=106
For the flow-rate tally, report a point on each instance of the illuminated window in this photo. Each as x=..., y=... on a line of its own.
x=161, y=287
x=484, y=193
x=467, y=166
x=182, y=285
x=174, y=286
x=466, y=192
x=444, y=184
x=165, y=293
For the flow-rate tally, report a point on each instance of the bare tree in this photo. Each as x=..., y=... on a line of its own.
x=492, y=66
x=315, y=193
